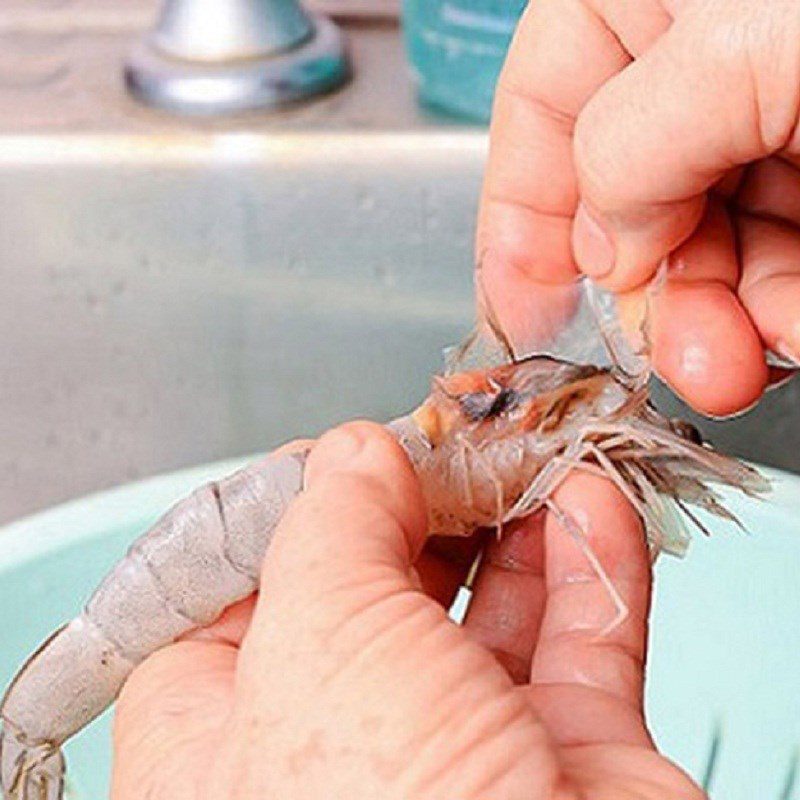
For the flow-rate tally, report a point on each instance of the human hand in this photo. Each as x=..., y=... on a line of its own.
x=346, y=678
x=626, y=131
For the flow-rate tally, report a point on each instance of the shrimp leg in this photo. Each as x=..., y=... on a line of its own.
x=573, y=528
x=201, y=557
x=540, y=494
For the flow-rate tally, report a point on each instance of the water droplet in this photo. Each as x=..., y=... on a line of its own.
x=384, y=274
x=92, y=300
x=366, y=200
x=431, y=221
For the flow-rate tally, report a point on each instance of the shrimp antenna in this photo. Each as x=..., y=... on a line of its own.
x=656, y=285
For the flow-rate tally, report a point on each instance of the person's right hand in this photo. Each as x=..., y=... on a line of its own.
x=625, y=131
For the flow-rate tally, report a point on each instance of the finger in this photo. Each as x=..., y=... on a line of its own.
x=709, y=95
x=338, y=582
x=708, y=350
x=770, y=287
x=586, y=686
x=697, y=316
x=359, y=473
x=636, y=25
x=360, y=520
x=508, y=598
x=561, y=53
x=771, y=188
x=529, y=313
x=442, y=566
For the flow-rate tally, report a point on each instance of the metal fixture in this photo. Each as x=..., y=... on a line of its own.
x=216, y=57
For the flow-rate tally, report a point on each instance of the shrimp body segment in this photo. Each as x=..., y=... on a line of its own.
x=488, y=446
x=201, y=557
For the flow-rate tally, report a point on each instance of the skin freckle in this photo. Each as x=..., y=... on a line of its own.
x=387, y=768
x=302, y=758
x=371, y=724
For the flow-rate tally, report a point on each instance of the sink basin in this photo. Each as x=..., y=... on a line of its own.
x=186, y=306
x=723, y=649
x=175, y=292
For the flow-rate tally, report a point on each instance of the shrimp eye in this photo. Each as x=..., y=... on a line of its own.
x=478, y=406
x=686, y=430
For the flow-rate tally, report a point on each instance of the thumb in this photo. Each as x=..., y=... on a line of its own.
x=718, y=90
x=361, y=517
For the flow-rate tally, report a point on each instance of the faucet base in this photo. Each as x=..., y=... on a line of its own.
x=317, y=65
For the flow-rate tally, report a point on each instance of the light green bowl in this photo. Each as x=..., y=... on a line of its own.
x=725, y=641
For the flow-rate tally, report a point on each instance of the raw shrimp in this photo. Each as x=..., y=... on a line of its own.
x=488, y=446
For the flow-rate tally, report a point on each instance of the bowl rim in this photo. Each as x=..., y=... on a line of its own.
x=93, y=515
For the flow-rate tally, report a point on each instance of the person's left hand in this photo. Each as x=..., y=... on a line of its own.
x=627, y=134
x=346, y=679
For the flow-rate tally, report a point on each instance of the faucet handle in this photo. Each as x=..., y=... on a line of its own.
x=215, y=57
x=224, y=30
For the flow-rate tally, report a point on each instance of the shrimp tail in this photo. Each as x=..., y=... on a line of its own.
x=201, y=557
x=53, y=693
x=30, y=770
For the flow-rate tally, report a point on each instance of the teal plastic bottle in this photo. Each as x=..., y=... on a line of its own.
x=457, y=48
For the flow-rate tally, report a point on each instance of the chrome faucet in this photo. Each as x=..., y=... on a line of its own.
x=223, y=56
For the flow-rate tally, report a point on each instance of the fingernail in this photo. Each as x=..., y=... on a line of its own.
x=784, y=350
x=593, y=248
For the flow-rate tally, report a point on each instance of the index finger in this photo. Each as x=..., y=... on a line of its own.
x=562, y=52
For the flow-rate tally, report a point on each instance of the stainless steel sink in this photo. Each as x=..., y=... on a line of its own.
x=176, y=292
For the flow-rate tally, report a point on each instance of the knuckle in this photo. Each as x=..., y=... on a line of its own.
x=774, y=47
x=753, y=56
